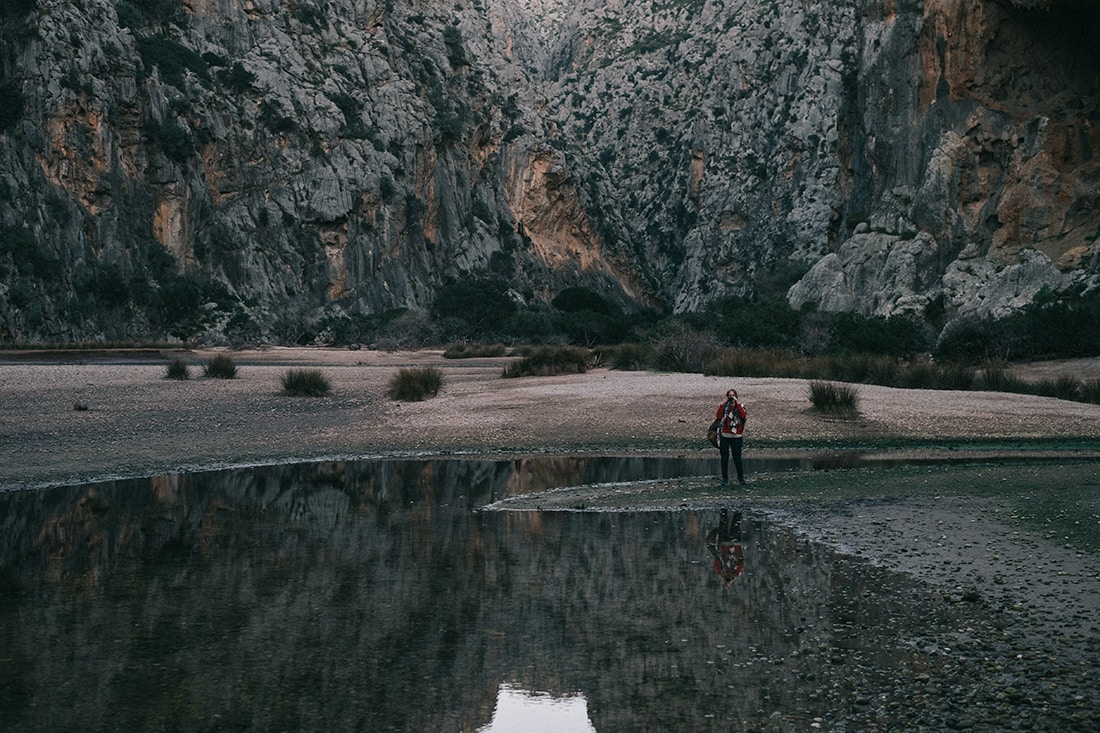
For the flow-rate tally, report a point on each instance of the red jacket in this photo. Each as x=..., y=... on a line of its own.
x=733, y=420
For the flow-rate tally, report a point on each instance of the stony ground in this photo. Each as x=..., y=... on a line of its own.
x=81, y=416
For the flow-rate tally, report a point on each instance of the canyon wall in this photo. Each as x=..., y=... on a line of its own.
x=268, y=165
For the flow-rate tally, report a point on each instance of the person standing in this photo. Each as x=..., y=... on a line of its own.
x=732, y=415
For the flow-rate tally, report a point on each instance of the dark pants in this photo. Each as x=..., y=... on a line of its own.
x=725, y=447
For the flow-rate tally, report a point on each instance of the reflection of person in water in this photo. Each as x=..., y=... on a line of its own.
x=724, y=544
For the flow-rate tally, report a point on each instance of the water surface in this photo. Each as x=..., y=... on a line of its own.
x=371, y=596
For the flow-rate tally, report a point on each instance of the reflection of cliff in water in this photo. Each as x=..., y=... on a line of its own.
x=368, y=596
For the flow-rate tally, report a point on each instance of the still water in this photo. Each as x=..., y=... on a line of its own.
x=373, y=596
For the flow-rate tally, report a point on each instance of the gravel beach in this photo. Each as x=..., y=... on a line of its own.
x=81, y=416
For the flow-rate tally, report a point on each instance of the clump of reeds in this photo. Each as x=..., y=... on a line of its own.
x=177, y=369
x=994, y=377
x=956, y=376
x=306, y=383
x=1064, y=387
x=413, y=384
x=474, y=351
x=547, y=361
x=220, y=367
x=683, y=351
x=754, y=363
x=1090, y=391
x=838, y=400
x=628, y=357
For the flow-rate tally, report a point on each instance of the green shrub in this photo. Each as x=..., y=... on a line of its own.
x=174, y=141
x=754, y=363
x=275, y=120
x=1064, y=387
x=886, y=370
x=456, y=53
x=547, y=361
x=855, y=367
x=1053, y=326
x=400, y=329
x=451, y=116
x=415, y=383
x=16, y=8
x=179, y=298
x=480, y=305
x=753, y=324
x=683, y=350
x=587, y=328
x=1090, y=391
x=575, y=300
x=976, y=340
x=839, y=400
x=956, y=376
x=349, y=107
x=220, y=367
x=916, y=375
x=628, y=356
x=311, y=16
x=160, y=262
x=177, y=369
x=994, y=377
x=129, y=16
x=1058, y=325
x=474, y=351
x=105, y=284
x=29, y=256
x=897, y=335
x=306, y=383
x=237, y=77
x=173, y=60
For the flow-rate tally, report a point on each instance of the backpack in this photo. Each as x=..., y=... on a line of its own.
x=712, y=431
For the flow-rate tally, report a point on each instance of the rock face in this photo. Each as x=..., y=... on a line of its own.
x=907, y=154
x=296, y=162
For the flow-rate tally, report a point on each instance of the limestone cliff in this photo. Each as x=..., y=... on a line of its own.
x=280, y=160
x=906, y=154
x=265, y=164
x=984, y=176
